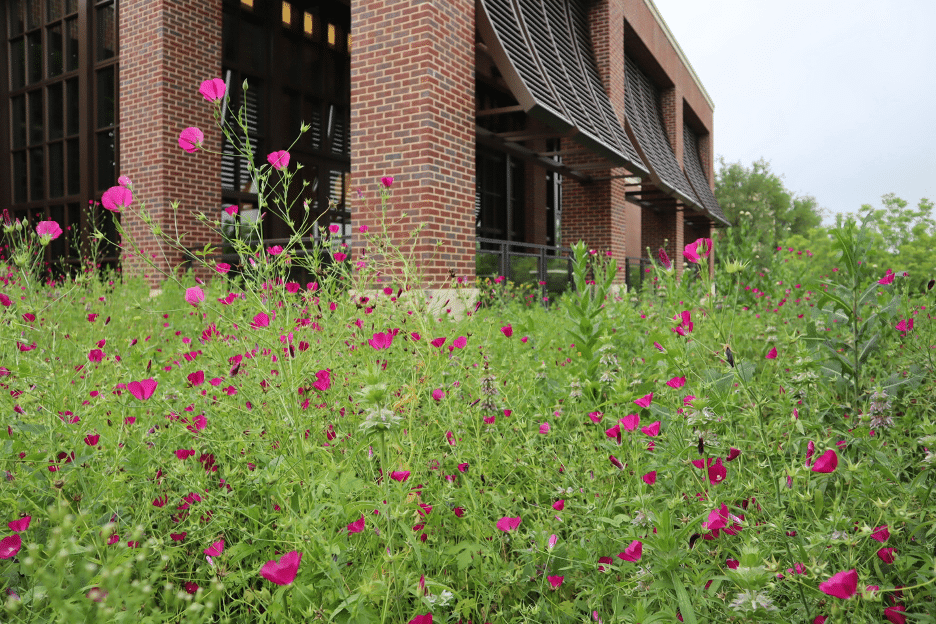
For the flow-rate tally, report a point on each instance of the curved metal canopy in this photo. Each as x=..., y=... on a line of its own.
x=542, y=49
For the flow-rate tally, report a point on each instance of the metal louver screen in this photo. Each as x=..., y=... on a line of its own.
x=693, y=164
x=235, y=175
x=543, y=49
x=643, y=113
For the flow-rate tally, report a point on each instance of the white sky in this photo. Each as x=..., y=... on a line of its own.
x=838, y=95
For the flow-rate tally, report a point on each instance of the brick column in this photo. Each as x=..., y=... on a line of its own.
x=167, y=48
x=413, y=118
x=595, y=212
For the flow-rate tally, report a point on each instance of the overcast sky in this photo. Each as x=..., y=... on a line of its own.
x=839, y=95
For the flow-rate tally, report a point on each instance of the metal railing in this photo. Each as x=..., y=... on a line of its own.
x=548, y=268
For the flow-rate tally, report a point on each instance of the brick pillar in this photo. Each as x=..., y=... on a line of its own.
x=167, y=48
x=595, y=212
x=413, y=118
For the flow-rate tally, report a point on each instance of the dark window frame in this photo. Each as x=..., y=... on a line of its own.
x=65, y=200
x=294, y=81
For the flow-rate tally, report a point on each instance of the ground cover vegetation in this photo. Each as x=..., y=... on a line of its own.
x=249, y=448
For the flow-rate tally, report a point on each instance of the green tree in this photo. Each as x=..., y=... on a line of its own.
x=762, y=210
x=905, y=236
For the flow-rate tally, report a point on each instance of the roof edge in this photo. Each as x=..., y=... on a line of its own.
x=679, y=51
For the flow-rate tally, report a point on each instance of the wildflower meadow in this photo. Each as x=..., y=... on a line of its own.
x=244, y=446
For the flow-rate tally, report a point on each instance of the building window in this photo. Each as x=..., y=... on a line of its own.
x=499, y=203
x=297, y=72
x=56, y=95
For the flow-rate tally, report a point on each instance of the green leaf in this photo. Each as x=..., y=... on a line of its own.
x=746, y=371
x=682, y=597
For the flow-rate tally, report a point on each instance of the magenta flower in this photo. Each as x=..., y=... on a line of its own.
x=827, y=462
x=697, y=250
x=630, y=422
x=381, y=340
x=95, y=356
x=842, y=585
x=386, y=181
x=507, y=330
x=212, y=90
x=438, y=394
x=215, y=549
x=895, y=614
x=18, y=526
x=555, y=581
x=231, y=210
x=124, y=181
x=772, y=354
x=48, y=230
x=717, y=472
x=459, y=343
x=357, y=526
x=650, y=477
x=664, y=259
x=420, y=619
x=884, y=554
x=652, y=430
x=278, y=160
x=507, y=524
x=645, y=401
x=142, y=390
x=275, y=250
x=888, y=278
x=400, y=475
x=676, y=382
x=116, y=198
x=616, y=462
x=881, y=534
x=283, y=570
x=92, y=439
x=614, y=432
x=196, y=378
x=190, y=140
x=544, y=428
x=717, y=519
x=260, y=321
x=633, y=552
x=551, y=543
x=194, y=295
x=559, y=505
x=222, y=268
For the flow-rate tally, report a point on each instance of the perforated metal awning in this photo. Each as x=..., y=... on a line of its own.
x=694, y=171
x=646, y=126
x=542, y=48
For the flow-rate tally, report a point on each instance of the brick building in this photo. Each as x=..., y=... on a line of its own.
x=505, y=123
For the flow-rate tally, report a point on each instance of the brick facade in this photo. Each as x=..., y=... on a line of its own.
x=167, y=48
x=413, y=118
x=596, y=212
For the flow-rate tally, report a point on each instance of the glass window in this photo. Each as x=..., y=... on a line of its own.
x=106, y=97
x=55, y=51
x=18, y=63
x=34, y=56
x=54, y=9
x=18, y=109
x=106, y=32
x=56, y=170
x=56, y=111
x=71, y=44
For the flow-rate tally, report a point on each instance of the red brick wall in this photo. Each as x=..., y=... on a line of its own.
x=413, y=118
x=595, y=212
x=167, y=48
